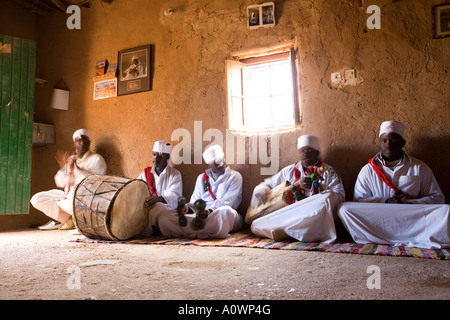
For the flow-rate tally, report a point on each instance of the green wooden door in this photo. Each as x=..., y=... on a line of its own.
x=17, y=85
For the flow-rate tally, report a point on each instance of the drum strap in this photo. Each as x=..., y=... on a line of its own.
x=207, y=186
x=376, y=167
x=150, y=180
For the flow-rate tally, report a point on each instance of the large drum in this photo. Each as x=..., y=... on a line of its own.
x=110, y=207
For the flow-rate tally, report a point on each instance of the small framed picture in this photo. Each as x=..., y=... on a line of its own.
x=261, y=15
x=133, y=72
x=268, y=15
x=442, y=21
x=253, y=16
x=105, y=89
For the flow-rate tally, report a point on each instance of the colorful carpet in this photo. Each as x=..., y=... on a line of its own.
x=247, y=240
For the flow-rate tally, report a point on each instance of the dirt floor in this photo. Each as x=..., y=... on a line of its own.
x=46, y=265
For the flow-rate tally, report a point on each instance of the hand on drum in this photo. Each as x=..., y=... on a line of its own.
x=260, y=193
x=154, y=199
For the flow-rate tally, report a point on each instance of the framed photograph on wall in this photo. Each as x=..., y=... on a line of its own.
x=261, y=15
x=133, y=70
x=442, y=21
x=105, y=89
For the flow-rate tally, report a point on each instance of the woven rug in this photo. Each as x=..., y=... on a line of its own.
x=248, y=240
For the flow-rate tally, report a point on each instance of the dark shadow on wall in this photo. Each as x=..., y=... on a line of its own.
x=348, y=161
x=435, y=152
x=106, y=147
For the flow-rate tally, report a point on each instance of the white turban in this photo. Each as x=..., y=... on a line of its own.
x=392, y=126
x=213, y=154
x=308, y=141
x=81, y=132
x=162, y=147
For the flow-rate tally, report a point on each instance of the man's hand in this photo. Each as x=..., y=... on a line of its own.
x=306, y=183
x=260, y=195
x=154, y=199
x=394, y=200
x=63, y=158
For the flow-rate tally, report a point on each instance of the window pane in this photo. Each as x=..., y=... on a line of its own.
x=236, y=112
x=258, y=113
x=259, y=82
x=283, y=110
x=281, y=78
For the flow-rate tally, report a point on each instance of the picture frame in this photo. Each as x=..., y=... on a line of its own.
x=105, y=89
x=134, y=70
x=261, y=15
x=442, y=21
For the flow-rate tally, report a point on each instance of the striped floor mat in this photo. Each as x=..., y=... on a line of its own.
x=248, y=240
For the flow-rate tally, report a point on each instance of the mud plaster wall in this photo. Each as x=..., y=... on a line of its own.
x=402, y=74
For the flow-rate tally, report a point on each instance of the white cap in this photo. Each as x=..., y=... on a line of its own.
x=162, y=147
x=308, y=141
x=213, y=154
x=392, y=126
x=81, y=132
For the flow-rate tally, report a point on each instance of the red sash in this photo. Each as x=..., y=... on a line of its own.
x=150, y=180
x=379, y=171
x=68, y=183
x=206, y=185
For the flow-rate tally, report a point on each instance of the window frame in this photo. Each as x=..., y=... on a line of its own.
x=236, y=87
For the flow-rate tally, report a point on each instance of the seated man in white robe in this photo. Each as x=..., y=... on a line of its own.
x=397, y=200
x=58, y=204
x=311, y=217
x=220, y=188
x=164, y=182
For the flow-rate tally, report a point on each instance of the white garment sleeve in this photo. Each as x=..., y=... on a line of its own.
x=198, y=190
x=367, y=187
x=174, y=190
x=233, y=193
x=333, y=182
x=430, y=192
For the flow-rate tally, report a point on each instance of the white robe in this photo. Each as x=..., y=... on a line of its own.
x=310, y=219
x=424, y=222
x=222, y=220
x=58, y=204
x=168, y=185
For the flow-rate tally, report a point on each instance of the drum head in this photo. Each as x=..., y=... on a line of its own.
x=128, y=215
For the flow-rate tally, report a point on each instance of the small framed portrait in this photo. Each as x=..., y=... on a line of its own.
x=268, y=15
x=253, y=16
x=133, y=71
x=442, y=21
x=261, y=15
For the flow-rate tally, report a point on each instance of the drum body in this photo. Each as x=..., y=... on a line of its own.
x=110, y=207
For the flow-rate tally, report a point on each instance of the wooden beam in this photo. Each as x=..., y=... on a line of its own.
x=60, y=5
x=33, y=8
x=79, y=2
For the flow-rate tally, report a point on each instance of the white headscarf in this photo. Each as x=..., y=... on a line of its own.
x=162, y=146
x=392, y=126
x=308, y=141
x=213, y=154
x=81, y=132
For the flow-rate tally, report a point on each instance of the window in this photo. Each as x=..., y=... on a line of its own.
x=262, y=92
